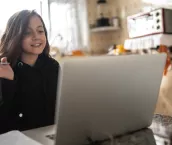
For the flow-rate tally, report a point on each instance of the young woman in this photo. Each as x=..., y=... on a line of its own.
x=28, y=74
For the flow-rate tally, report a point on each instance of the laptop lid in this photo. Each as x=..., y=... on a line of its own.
x=107, y=95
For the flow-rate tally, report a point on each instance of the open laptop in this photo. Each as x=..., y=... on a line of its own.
x=105, y=96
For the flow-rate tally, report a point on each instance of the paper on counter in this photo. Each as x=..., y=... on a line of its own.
x=16, y=138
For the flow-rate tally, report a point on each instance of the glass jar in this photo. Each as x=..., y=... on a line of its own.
x=102, y=9
x=102, y=13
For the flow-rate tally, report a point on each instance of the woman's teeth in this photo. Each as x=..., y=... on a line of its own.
x=36, y=45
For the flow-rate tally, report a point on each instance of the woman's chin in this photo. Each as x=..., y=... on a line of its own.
x=37, y=52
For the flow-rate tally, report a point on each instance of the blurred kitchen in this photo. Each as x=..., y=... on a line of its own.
x=97, y=27
x=105, y=27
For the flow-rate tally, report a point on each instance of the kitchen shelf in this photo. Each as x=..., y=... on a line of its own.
x=101, y=29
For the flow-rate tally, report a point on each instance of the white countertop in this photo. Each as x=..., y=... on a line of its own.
x=39, y=134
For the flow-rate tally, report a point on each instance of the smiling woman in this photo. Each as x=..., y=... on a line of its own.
x=29, y=82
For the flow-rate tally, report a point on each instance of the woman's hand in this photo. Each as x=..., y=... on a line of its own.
x=6, y=70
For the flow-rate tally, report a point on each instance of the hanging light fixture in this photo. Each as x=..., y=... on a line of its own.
x=102, y=13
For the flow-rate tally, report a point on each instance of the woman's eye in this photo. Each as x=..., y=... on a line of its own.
x=41, y=31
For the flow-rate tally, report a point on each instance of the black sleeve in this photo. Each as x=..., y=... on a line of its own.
x=8, y=88
x=51, y=92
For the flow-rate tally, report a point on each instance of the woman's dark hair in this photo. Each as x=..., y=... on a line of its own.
x=11, y=41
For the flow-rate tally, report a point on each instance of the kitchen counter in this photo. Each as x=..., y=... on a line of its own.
x=159, y=133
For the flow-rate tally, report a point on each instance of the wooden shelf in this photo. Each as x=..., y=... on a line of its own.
x=100, y=29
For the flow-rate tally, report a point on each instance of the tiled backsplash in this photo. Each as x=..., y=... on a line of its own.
x=100, y=41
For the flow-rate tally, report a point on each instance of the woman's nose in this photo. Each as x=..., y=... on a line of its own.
x=35, y=35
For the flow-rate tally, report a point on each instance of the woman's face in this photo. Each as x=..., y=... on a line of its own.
x=34, y=40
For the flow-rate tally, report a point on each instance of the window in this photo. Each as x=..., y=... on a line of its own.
x=69, y=26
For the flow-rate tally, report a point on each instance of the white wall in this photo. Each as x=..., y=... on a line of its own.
x=8, y=8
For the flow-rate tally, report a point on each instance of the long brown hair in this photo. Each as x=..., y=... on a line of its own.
x=11, y=41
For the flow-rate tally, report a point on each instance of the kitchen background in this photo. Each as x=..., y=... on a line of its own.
x=74, y=28
x=120, y=8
